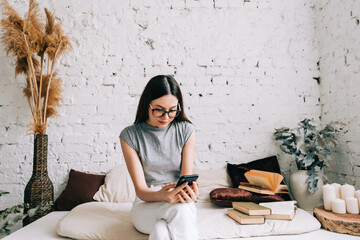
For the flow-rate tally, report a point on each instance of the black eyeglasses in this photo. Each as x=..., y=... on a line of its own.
x=160, y=113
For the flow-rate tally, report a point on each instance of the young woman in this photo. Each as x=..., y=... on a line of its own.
x=159, y=148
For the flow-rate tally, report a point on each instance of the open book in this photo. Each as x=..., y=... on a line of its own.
x=263, y=182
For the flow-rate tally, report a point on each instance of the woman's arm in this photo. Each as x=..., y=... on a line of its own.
x=137, y=175
x=190, y=193
x=188, y=155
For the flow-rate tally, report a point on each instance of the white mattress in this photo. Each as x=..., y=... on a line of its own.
x=45, y=228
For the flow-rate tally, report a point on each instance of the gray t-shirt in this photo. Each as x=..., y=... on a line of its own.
x=159, y=149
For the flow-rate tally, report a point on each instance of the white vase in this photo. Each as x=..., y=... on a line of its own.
x=298, y=188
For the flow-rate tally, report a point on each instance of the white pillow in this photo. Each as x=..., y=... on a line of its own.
x=117, y=187
x=214, y=223
x=209, y=179
x=99, y=220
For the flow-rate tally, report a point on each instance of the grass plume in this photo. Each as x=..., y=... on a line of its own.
x=36, y=46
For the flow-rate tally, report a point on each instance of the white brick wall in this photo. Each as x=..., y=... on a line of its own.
x=245, y=67
x=338, y=38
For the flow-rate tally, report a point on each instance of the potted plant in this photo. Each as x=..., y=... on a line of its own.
x=311, y=149
x=37, y=47
x=10, y=216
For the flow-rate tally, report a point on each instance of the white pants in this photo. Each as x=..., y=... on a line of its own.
x=163, y=220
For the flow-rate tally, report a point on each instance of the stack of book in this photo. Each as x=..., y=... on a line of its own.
x=253, y=213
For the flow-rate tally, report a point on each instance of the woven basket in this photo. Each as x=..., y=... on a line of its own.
x=39, y=189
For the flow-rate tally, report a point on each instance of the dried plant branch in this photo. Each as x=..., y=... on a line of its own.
x=12, y=28
x=50, y=22
x=49, y=84
x=33, y=87
x=32, y=69
x=34, y=77
x=32, y=99
x=33, y=27
x=28, y=38
x=54, y=97
x=40, y=88
x=48, y=66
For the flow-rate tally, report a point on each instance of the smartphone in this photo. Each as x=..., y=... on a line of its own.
x=187, y=178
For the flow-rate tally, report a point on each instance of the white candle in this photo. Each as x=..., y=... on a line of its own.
x=352, y=205
x=347, y=191
x=338, y=206
x=337, y=189
x=357, y=193
x=329, y=194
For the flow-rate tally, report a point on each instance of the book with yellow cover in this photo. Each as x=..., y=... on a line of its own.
x=251, y=208
x=263, y=182
x=243, y=218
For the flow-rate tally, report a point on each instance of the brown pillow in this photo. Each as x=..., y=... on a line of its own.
x=225, y=196
x=80, y=188
x=236, y=171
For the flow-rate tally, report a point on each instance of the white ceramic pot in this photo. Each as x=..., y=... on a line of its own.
x=298, y=188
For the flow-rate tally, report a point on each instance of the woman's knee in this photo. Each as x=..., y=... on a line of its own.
x=142, y=222
x=182, y=209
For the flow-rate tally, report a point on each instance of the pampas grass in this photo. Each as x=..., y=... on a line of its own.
x=36, y=46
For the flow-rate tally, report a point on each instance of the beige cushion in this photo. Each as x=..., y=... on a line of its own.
x=99, y=220
x=210, y=179
x=117, y=187
x=214, y=223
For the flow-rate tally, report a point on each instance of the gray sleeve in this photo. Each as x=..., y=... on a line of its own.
x=128, y=135
x=188, y=129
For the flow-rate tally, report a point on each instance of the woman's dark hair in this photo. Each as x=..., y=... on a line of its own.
x=157, y=87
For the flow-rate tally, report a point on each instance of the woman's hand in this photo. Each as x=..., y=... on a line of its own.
x=189, y=194
x=182, y=193
x=169, y=192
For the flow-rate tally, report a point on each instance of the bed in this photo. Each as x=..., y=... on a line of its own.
x=46, y=228
x=109, y=216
